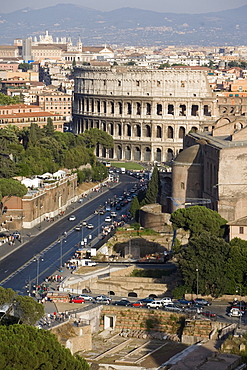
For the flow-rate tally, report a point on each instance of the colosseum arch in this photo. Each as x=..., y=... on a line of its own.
x=119, y=152
x=111, y=153
x=138, y=130
x=158, y=132
x=103, y=126
x=137, y=154
x=111, y=128
x=169, y=132
x=147, y=154
x=148, y=131
x=194, y=129
x=127, y=153
x=128, y=130
x=104, y=152
x=120, y=108
x=158, y=155
x=119, y=129
x=97, y=150
x=181, y=132
x=169, y=155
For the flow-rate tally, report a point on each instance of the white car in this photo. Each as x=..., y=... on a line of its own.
x=108, y=219
x=155, y=304
x=90, y=226
x=235, y=312
x=72, y=218
x=166, y=300
x=86, y=297
x=113, y=214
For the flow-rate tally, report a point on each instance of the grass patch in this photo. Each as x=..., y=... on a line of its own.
x=154, y=273
x=86, y=269
x=127, y=165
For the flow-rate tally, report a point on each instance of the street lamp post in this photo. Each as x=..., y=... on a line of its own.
x=197, y=279
x=61, y=252
x=37, y=270
x=239, y=289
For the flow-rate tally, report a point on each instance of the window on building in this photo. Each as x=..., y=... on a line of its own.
x=158, y=132
x=129, y=110
x=120, y=108
x=241, y=230
x=138, y=109
x=194, y=110
x=170, y=109
x=170, y=132
x=148, y=109
x=159, y=109
x=112, y=107
x=104, y=106
x=182, y=110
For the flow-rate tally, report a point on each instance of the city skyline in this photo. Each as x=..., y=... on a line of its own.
x=177, y=6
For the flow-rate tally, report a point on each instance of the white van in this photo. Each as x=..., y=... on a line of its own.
x=155, y=304
x=123, y=170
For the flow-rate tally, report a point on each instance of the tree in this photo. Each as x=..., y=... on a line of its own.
x=25, y=67
x=99, y=172
x=164, y=65
x=197, y=219
x=209, y=255
x=25, y=309
x=11, y=187
x=95, y=136
x=49, y=127
x=24, y=347
x=7, y=100
x=134, y=208
x=28, y=310
x=152, y=189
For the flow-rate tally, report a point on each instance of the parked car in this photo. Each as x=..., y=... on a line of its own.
x=202, y=301
x=183, y=302
x=166, y=300
x=86, y=297
x=72, y=218
x=137, y=304
x=172, y=307
x=77, y=300
x=122, y=302
x=235, y=312
x=155, y=304
x=103, y=299
x=146, y=300
x=192, y=310
x=209, y=314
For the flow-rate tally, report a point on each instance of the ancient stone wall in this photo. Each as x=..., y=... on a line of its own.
x=148, y=112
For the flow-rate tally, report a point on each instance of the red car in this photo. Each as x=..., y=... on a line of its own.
x=137, y=304
x=77, y=300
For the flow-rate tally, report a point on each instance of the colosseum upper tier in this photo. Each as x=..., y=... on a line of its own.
x=147, y=112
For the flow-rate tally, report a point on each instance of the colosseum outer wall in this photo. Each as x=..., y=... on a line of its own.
x=148, y=112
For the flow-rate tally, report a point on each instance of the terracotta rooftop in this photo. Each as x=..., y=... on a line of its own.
x=29, y=115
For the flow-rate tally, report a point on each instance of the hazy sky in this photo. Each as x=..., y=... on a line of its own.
x=174, y=6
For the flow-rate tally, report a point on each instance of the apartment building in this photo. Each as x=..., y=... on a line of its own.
x=55, y=102
x=23, y=115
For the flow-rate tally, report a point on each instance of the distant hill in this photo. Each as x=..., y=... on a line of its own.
x=127, y=26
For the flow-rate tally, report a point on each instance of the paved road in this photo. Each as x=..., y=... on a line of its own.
x=41, y=256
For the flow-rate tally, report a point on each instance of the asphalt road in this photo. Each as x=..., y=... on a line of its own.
x=41, y=256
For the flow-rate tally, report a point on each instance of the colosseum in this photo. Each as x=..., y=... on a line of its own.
x=147, y=112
